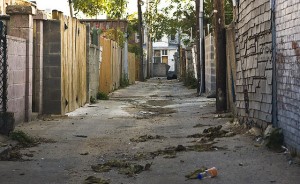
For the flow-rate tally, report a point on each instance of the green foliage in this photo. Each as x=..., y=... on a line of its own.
x=124, y=82
x=93, y=100
x=180, y=15
x=190, y=80
x=134, y=48
x=208, y=10
x=114, y=9
x=168, y=20
x=22, y=138
x=132, y=24
x=115, y=34
x=102, y=96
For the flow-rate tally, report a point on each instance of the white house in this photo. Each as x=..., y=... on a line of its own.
x=164, y=50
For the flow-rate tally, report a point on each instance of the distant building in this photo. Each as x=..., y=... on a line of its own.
x=165, y=49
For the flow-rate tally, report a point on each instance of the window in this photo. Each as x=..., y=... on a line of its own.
x=164, y=52
x=157, y=53
x=157, y=56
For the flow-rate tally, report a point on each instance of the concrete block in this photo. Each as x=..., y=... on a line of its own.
x=19, y=9
x=7, y=123
x=21, y=21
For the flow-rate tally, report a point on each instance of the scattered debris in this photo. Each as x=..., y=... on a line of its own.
x=204, y=147
x=81, y=136
x=127, y=168
x=268, y=131
x=147, y=166
x=94, y=180
x=194, y=174
x=145, y=138
x=160, y=103
x=255, y=132
x=275, y=140
x=200, y=125
x=11, y=154
x=86, y=153
x=23, y=139
x=212, y=133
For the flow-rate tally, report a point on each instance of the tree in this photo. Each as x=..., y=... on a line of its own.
x=178, y=15
x=113, y=8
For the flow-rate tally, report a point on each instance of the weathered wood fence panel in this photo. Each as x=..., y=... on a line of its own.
x=111, y=66
x=131, y=68
x=105, y=81
x=73, y=63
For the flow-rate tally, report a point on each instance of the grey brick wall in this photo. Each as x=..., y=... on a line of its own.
x=254, y=66
x=210, y=64
x=160, y=69
x=16, y=77
x=52, y=68
x=288, y=70
x=37, y=88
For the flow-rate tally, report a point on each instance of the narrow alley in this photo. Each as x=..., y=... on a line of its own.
x=154, y=132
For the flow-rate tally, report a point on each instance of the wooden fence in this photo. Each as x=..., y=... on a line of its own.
x=111, y=66
x=131, y=68
x=73, y=62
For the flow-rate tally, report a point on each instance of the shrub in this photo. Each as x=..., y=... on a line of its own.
x=102, y=96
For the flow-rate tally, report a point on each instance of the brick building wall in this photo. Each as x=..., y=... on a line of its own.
x=288, y=70
x=254, y=66
x=16, y=77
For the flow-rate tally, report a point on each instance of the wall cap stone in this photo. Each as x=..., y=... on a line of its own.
x=19, y=9
x=40, y=15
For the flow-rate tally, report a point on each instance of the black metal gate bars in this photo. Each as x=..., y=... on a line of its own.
x=3, y=68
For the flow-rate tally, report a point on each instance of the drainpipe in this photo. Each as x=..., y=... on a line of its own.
x=274, y=75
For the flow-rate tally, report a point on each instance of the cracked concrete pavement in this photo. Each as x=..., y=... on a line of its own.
x=100, y=132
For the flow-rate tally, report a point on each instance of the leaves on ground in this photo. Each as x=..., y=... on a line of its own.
x=212, y=133
x=145, y=138
x=127, y=168
x=95, y=180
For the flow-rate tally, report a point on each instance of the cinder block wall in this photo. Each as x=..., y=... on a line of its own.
x=16, y=77
x=52, y=68
x=288, y=70
x=254, y=65
x=210, y=66
x=160, y=69
x=94, y=62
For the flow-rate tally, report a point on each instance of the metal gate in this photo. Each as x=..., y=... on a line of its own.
x=3, y=68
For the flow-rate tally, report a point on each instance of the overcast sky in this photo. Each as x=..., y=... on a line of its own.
x=63, y=5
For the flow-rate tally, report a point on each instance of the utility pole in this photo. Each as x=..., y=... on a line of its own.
x=71, y=8
x=201, y=48
x=198, y=44
x=220, y=44
x=139, y=4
